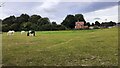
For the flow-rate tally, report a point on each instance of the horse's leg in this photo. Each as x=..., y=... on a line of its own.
x=33, y=34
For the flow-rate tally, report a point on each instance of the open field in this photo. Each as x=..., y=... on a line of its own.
x=66, y=48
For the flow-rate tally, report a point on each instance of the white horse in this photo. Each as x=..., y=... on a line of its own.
x=22, y=32
x=10, y=32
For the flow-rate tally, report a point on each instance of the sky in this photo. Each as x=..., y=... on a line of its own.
x=57, y=10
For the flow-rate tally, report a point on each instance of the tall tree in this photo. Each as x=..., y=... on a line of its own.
x=26, y=26
x=54, y=23
x=88, y=24
x=97, y=23
x=34, y=18
x=9, y=20
x=43, y=21
x=112, y=23
x=69, y=21
x=80, y=17
x=22, y=18
x=93, y=24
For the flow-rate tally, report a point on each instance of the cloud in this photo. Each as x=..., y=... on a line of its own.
x=111, y=14
x=47, y=6
x=97, y=18
x=57, y=10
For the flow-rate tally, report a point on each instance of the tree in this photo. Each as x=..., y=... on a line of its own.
x=69, y=21
x=88, y=24
x=54, y=23
x=97, y=23
x=105, y=24
x=26, y=26
x=34, y=27
x=9, y=20
x=112, y=23
x=22, y=18
x=14, y=27
x=61, y=27
x=93, y=24
x=5, y=28
x=43, y=21
x=80, y=17
x=34, y=18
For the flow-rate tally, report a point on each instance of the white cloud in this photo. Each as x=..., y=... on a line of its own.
x=48, y=4
x=111, y=14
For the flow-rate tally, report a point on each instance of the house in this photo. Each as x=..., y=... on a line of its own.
x=80, y=25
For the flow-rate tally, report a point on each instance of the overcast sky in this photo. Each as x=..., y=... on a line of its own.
x=57, y=10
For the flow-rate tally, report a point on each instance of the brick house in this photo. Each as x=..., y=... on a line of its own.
x=79, y=25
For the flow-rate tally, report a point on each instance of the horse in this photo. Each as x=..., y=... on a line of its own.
x=31, y=33
x=22, y=32
x=10, y=32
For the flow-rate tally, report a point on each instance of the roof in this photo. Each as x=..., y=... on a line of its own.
x=80, y=23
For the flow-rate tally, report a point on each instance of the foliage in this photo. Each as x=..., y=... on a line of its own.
x=97, y=23
x=34, y=18
x=69, y=22
x=88, y=24
x=38, y=23
x=26, y=22
x=80, y=17
x=92, y=24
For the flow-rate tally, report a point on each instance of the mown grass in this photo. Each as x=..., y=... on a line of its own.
x=62, y=48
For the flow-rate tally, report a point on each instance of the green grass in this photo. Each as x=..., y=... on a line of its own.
x=62, y=48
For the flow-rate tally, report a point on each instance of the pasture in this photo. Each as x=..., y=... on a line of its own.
x=62, y=48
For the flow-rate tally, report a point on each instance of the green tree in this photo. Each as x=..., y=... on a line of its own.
x=34, y=27
x=92, y=24
x=22, y=18
x=14, y=27
x=34, y=18
x=54, y=23
x=5, y=28
x=80, y=17
x=9, y=20
x=26, y=26
x=97, y=23
x=88, y=24
x=69, y=22
x=43, y=21
x=112, y=23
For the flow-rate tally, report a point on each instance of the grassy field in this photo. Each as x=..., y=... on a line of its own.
x=66, y=48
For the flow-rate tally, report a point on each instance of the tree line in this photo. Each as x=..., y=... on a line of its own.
x=26, y=22
x=38, y=23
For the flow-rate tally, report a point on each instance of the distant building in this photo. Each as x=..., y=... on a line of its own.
x=79, y=25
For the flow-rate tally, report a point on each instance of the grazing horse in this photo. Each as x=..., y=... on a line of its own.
x=10, y=32
x=31, y=33
x=22, y=32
